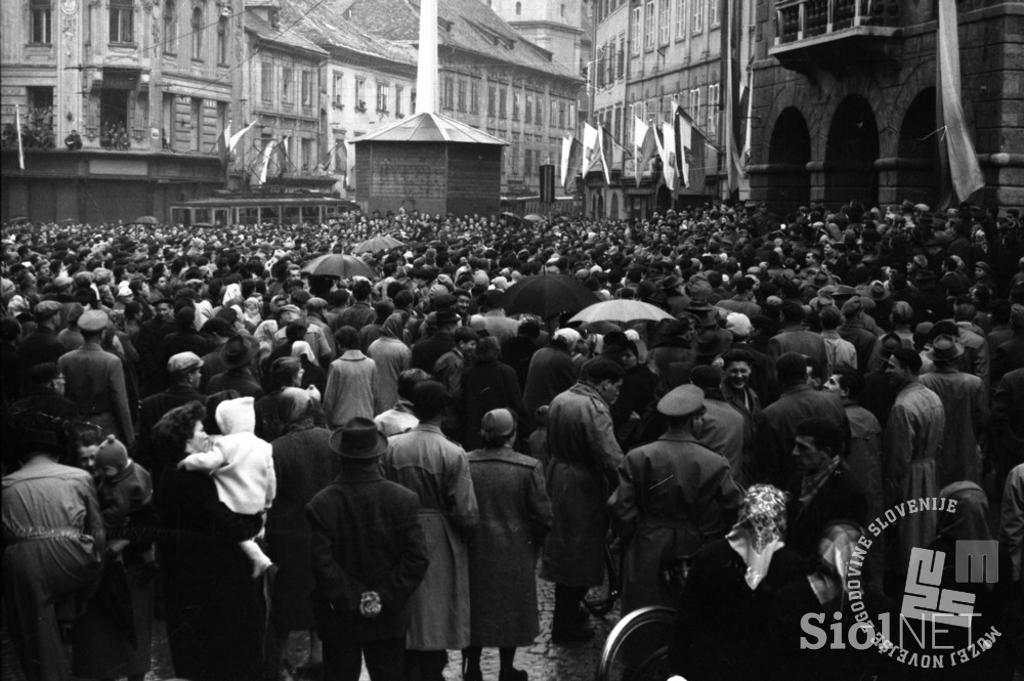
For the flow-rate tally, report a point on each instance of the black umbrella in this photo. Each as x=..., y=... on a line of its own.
x=547, y=295
x=338, y=265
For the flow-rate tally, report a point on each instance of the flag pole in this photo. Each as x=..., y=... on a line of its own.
x=21, y=148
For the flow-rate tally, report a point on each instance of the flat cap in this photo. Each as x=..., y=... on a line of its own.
x=681, y=401
x=183, y=361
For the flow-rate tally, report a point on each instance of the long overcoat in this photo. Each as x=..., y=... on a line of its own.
x=515, y=515
x=584, y=456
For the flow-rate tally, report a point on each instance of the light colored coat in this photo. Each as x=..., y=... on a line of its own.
x=391, y=357
x=965, y=403
x=350, y=388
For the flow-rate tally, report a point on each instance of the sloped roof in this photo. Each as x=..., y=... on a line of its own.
x=465, y=24
x=286, y=34
x=324, y=24
x=431, y=127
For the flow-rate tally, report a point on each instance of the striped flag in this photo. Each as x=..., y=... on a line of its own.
x=572, y=153
x=964, y=170
x=645, y=145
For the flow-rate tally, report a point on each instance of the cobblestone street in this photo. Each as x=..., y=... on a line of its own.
x=543, y=660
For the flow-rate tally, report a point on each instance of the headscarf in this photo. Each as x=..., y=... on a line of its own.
x=759, y=531
x=969, y=521
x=251, y=313
x=297, y=408
x=301, y=348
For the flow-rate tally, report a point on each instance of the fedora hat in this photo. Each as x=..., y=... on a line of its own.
x=358, y=439
x=711, y=343
x=945, y=349
x=878, y=290
x=238, y=351
x=682, y=401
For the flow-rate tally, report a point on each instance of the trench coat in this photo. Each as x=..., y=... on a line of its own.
x=674, y=495
x=584, y=455
x=303, y=464
x=515, y=516
x=965, y=403
x=437, y=470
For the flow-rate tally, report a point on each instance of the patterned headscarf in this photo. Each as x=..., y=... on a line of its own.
x=763, y=513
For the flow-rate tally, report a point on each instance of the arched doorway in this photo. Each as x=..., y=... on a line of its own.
x=663, y=199
x=919, y=165
x=613, y=207
x=789, y=150
x=850, y=154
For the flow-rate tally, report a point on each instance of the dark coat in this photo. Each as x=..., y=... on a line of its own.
x=240, y=379
x=39, y=347
x=487, y=385
x=515, y=516
x=214, y=608
x=775, y=430
x=96, y=384
x=152, y=368
x=304, y=464
x=551, y=372
x=426, y=352
x=365, y=537
x=840, y=498
x=719, y=633
x=152, y=410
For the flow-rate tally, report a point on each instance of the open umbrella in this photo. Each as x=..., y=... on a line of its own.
x=622, y=311
x=533, y=217
x=17, y=220
x=547, y=295
x=146, y=220
x=381, y=242
x=338, y=265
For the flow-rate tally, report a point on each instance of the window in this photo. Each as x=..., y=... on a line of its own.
x=698, y=16
x=267, y=82
x=503, y=102
x=528, y=113
x=665, y=20
x=222, y=40
x=307, y=153
x=519, y=8
x=122, y=22
x=286, y=85
x=635, y=38
x=681, y=17
x=448, y=94
x=39, y=22
x=694, y=109
x=562, y=107
x=336, y=87
x=620, y=58
x=307, y=88
x=649, y=26
x=461, y=96
x=610, y=63
x=398, y=100
x=713, y=104
x=492, y=96
x=474, y=97
x=515, y=105
x=713, y=15
x=554, y=113
x=412, y=100
x=197, y=33
x=197, y=123
x=561, y=11
x=359, y=101
x=171, y=27
x=382, y=97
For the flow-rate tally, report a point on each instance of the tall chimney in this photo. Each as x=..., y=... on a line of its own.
x=426, y=71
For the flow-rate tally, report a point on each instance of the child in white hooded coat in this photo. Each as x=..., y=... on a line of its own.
x=242, y=466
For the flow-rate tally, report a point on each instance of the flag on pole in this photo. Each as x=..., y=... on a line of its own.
x=605, y=147
x=233, y=140
x=668, y=156
x=683, y=129
x=645, y=145
x=965, y=172
x=21, y=149
x=268, y=149
x=591, y=139
x=572, y=155
x=735, y=90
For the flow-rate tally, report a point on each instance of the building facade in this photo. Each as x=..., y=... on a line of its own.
x=845, y=103
x=126, y=97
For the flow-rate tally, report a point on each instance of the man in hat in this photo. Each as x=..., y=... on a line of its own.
x=795, y=337
x=95, y=380
x=854, y=330
x=437, y=470
x=185, y=370
x=150, y=346
x=369, y=557
x=965, y=403
x=493, y=318
x=237, y=355
x=46, y=394
x=911, y=443
x=42, y=345
x=53, y=544
x=427, y=351
x=723, y=427
x=584, y=457
x=696, y=500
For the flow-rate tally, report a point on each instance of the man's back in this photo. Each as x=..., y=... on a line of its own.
x=775, y=429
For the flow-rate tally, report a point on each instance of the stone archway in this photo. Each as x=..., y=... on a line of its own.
x=918, y=164
x=789, y=151
x=850, y=153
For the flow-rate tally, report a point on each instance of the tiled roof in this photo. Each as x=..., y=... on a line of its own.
x=324, y=24
x=431, y=127
x=466, y=24
x=286, y=33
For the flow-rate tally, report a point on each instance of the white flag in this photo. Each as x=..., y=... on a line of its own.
x=685, y=142
x=667, y=150
x=591, y=139
x=234, y=139
x=564, y=164
x=265, y=161
x=639, y=133
x=21, y=149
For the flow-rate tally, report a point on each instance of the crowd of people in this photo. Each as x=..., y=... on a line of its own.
x=197, y=430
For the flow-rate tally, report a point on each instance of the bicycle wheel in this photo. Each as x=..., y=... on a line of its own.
x=637, y=647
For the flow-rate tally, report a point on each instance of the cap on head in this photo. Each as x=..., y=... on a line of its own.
x=93, y=321
x=682, y=401
x=498, y=422
x=183, y=362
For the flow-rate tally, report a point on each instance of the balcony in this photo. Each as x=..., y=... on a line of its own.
x=822, y=32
